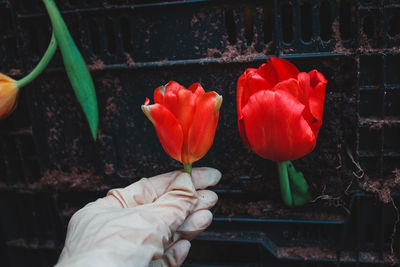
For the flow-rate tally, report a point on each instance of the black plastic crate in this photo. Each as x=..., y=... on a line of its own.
x=132, y=47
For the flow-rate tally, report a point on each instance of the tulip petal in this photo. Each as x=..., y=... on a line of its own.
x=5, y=78
x=293, y=87
x=167, y=127
x=283, y=68
x=241, y=91
x=184, y=110
x=268, y=72
x=300, y=90
x=251, y=82
x=181, y=102
x=171, y=94
x=303, y=92
x=159, y=95
x=317, y=94
x=196, y=89
x=303, y=96
x=275, y=127
x=255, y=83
x=202, y=131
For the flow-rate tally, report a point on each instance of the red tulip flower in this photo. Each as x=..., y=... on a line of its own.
x=280, y=110
x=185, y=120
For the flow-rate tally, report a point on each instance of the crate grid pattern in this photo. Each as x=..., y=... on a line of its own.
x=275, y=24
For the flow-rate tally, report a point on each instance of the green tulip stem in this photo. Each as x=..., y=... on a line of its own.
x=285, y=185
x=188, y=168
x=48, y=55
x=75, y=66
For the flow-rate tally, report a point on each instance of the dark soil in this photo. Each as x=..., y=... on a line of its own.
x=318, y=253
x=33, y=244
x=74, y=180
x=309, y=253
x=273, y=209
x=16, y=73
x=96, y=64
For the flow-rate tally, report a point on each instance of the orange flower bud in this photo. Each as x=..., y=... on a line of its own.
x=8, y=96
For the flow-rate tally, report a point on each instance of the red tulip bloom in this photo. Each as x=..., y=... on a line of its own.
x=280, y=109
x=185, y=119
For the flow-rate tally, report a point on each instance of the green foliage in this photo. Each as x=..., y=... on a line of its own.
x=76, y=68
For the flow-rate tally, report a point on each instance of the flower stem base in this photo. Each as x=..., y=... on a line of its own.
x=188, y=168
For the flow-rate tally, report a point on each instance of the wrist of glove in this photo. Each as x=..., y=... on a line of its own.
x=147, y=223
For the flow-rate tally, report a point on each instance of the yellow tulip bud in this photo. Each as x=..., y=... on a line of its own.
x=8, y=96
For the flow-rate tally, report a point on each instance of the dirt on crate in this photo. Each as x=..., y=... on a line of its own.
x=276, y=209
x=320, y=253
x=96, y=64
x=14, y=73
x=308, y=253
x=75, y=180
x=381, y=187
x=339, y=48
x=375, y=123
x=236, y=52
x=129, y=60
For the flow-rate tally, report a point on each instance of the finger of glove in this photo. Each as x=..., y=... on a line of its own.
x=194, y=225
x=198, y=220
x=174, y=255
x=201, y=177
x=204, y=177
x=206, y=200
x=174, y=206
x=148, y=190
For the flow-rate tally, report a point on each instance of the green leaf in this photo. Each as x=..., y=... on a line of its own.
x=299, y=185
x=76, y=68
x=294, y=187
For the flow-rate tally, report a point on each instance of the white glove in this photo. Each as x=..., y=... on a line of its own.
x=146, y=223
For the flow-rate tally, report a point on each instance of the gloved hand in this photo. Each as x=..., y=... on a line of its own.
x=146, y=223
